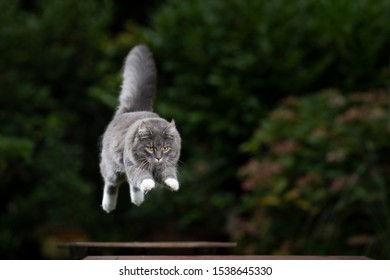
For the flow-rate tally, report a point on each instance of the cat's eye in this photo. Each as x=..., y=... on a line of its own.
x=165, y=149
x=150, y=149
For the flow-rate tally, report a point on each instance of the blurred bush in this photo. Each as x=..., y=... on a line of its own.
x=49, y=52
x=224, y=64
x=318, y=178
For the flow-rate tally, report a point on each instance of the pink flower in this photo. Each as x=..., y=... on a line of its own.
x=285, y=147
x=352, y=114
x=257, y=173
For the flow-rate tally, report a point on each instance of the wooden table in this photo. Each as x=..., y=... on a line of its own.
x=80, y=250
x=196, y=250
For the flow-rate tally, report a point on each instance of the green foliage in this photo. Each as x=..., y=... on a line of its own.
x=318, y=180
x=48, y=59
x=233, y=49
x=223, y=64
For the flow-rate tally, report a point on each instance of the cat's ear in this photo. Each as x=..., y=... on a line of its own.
x=170, y=129
x=143, y=130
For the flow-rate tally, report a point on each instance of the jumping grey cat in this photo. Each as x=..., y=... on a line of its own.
x=138, y=145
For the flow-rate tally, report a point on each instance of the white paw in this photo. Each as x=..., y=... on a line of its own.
x=147, y=185
x=172, y=183
x=108, y=203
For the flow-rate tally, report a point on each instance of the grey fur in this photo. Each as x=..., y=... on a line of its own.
x=139, y=82
x=134, y=128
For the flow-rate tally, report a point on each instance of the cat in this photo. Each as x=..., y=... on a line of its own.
x=138, y=145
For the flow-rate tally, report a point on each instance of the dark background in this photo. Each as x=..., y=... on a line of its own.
x=283, y=107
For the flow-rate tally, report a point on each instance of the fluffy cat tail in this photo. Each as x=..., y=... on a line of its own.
x=139, y=81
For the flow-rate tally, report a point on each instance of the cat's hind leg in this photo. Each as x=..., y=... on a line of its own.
x=111, y=187
x=110, y=197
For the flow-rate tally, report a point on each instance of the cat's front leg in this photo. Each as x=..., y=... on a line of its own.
x=147, y=185
x=172, y=183
x=167, y=176
x=140, y=182
x=137, y=194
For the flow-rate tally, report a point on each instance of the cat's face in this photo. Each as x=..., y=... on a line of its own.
x=157, y=143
